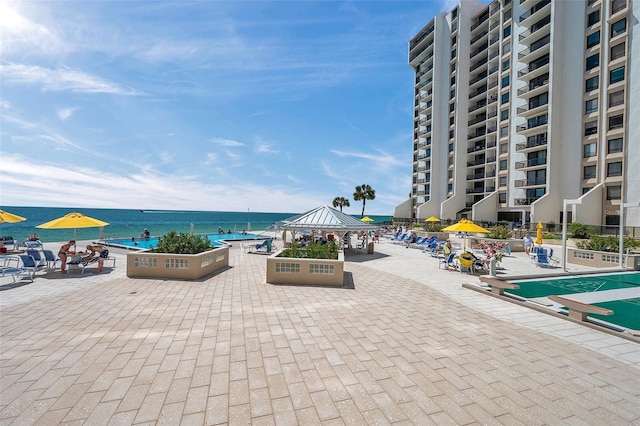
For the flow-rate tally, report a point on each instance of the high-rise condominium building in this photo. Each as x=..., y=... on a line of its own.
x=520, y=105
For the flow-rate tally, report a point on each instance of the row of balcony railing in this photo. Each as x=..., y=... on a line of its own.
x=531, y=87
x=417, y=41
x=531, y=144
x=534, y=9
x=482, y=175
x=536, y=27
x=534, y=162
x=530, y=182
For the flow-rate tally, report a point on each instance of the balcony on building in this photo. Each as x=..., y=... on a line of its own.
x=535, y=87
x=540, y=28
x=479, y=91
x=481, y=20
x=534, y=162
x=525, y=201
x=532, y=125
x=476, y=176
x=538, y=10
x=536, y=49
x=478, y=133
x=532, y=142
x=480, y=104
x=530, y=182
x=535, y=68
x=478, y=146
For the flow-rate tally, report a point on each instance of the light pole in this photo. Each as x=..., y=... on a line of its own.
x=566, y=202
x=621, y=248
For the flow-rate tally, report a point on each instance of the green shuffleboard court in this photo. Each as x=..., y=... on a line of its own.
x=626, y=308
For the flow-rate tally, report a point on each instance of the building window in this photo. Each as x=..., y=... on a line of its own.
x=591, y=128
x=503, y=164
x=451, y=134
x=453, y=53
x=449, y=187
x=451, y=121
x=451, y=147
x=617, y=51
x=506, y=32
x=616, y=75
x=505, y=65
x=452, y=106
x=614, y=169
x=505, y=81
x=593, y=61
x=614, y=192
x=614, y=146
x=504, y=114
x=619, y=27
x=616, y=98
x=506, y=47
x=591, y=84
x=452, y=68
x=503, y=181
x=591, y=106
x=450, y=174
x=590, y=150
x=586, y=189
x=616, y=122
x=618, y=5
x=452, y=94
x=504, y=131
x=505, y=98
x=504, y=148
x=507, y=14
x=589, y=172
x=454, y=13
x=593, y=39
x=593, y=18
x=502, y=197
x=453, y=80
x=453, y=40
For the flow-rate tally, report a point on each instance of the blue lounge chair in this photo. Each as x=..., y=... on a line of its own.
x=29, y=264
x=552, y=260
x=448, y=262
x=266, y=246
x=37, y=257
x=50, y=258
x=541, y=259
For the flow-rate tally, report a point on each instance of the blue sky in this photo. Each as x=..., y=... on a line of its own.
x=274, y=106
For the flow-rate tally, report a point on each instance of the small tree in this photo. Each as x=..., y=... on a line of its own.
x=182, y=244
x=341, y=202
x=364, y=193
x=579, y=230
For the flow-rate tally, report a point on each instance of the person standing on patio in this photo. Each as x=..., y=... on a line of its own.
x=528, y=243
x=64, y=251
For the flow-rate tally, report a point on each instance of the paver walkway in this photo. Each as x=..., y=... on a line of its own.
x=405, y=345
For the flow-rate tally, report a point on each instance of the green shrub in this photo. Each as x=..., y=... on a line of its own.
x=607, y=243
x=579, y=230
x=312, y=251
x=182, y=244
x=498, y=233
x=549, y=236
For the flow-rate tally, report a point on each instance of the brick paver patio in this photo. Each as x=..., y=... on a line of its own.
x=405, y=345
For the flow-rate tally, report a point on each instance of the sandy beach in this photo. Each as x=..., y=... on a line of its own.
x=406, y=344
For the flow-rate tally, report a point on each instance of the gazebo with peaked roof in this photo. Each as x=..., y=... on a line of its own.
x=325, y=218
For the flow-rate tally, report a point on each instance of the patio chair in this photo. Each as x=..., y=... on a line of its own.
x=50, y=258
x=29, y=264
x=541, y=259
x=37, y=257
x=16, y=271
x=553, y=261
x=448, y=262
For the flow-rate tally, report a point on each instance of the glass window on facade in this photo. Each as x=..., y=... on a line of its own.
x=505, y=81
x=589, y=172
x=616, y=98
x=614, y=169
x=504, y=131
x=502, y=197
x=503, y=164
x=506, y=47
x=614, y=145
x=592, y=84
x=614, y=192
x=504, y=148
x=616, y=121
x=586, y=189
x=593, y=61
x=503, y=181
x=452, y=106
x=617, y=51
x=593, y=18
x=505, y=98
x=504, y=114
x=591, y=128
x=453, y=53
x=593, y=39
x=590, y=150
x=505, y=65
x=616, y=75
x=619, y=27
x=591, y=106
x=507, y=14
x=506, y=32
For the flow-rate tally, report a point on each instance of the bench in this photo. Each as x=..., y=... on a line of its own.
x=579, y=310
x=499, y=286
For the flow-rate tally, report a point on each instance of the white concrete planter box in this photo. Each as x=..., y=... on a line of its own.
x=601, y=259
x=290, y=270
x=144, y=264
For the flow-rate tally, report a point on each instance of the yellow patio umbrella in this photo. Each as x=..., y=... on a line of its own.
x=73, y=220
x=432, y=219
x=539, y=234
x=10, y=217
x=367, y=219
x=465, y=225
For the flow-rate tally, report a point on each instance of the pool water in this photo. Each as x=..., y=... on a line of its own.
x=146, y=243
x=626, y=311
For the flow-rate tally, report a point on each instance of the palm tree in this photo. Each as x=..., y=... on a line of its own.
x=364, y=193
x=340, y=202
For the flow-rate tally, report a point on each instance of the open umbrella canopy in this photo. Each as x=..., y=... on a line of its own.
x=465, y=225
x=539, y=234
x=367, y=219
x=10, y=217
x=432, y=219
x=73, y=221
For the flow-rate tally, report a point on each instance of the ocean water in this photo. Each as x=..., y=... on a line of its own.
x=131, y=223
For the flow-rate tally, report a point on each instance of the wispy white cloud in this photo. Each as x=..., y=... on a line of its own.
x=226, y=142
x=64, y=113
x=377, y=159
x=262, y=147
x=61, y=79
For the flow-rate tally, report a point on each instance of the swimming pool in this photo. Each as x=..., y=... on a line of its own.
x=619, y=292
x=146, y=243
